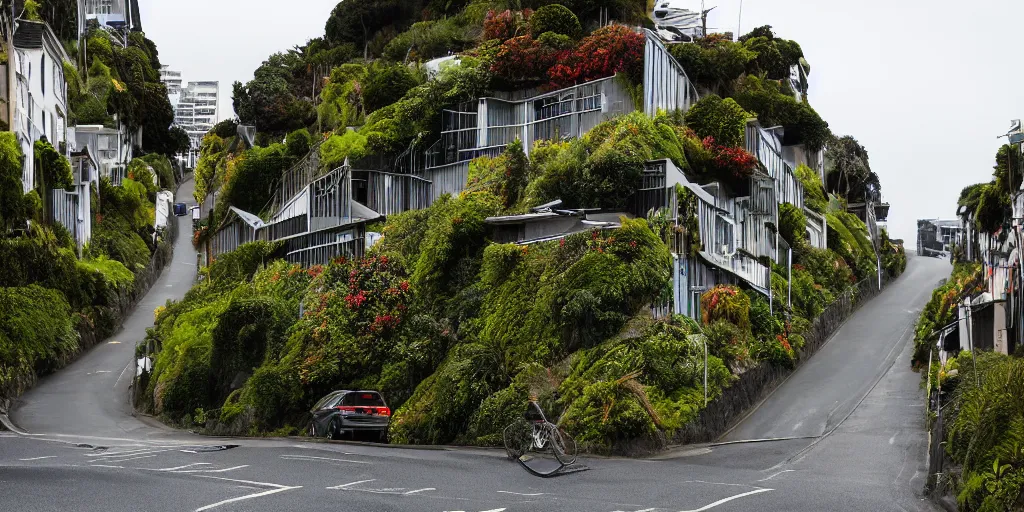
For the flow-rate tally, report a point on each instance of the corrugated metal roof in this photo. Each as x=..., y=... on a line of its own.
x=29, y=34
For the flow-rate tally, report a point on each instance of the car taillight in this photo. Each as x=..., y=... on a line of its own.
x=384, y=411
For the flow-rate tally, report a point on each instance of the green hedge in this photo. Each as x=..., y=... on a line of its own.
x=36, y=336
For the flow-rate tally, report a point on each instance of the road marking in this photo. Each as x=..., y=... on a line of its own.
x=132, y=458
x=495, y=510
x=350, y=484
x=310, y=457
x=714, y=483
x=522, y=493
x=776, y=474
x=126, y=453
x=647, y=510
x=113, y=343
x=133, y=454
x=122, y=374
x=225, y=470
x=39, y=458
x=727, y=500
x=183, y=467
x=275, y=488
x=106, y=466
x=420, y=490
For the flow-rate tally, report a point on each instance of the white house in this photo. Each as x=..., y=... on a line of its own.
x=40, y=96
x=112, y=148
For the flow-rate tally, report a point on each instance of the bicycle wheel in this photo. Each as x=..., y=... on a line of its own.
x=562, y=444
x=518, y=438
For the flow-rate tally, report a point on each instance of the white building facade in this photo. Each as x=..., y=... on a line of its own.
x=40, y=93
x=196, y=112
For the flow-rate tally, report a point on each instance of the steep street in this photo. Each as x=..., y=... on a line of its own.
x=90, y=397
x=857, y=390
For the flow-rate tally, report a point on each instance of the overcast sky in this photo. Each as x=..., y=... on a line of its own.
x=925, y=86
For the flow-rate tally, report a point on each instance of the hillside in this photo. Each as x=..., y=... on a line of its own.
x=458, y=331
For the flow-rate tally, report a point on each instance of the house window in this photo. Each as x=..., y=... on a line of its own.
x=42, y=74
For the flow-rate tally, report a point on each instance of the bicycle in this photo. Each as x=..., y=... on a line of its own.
x=533, y=432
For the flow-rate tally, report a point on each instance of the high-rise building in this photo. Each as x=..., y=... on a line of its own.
x=195, y=109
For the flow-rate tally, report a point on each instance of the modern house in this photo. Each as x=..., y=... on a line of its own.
x=115, y=14
x=112, y=148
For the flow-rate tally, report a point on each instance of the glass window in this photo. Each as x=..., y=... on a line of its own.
x=42, y=74
x=363, y=399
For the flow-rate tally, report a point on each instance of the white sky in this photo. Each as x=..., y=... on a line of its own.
x=925, y=86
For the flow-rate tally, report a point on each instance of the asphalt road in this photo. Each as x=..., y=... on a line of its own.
x=90, y=396
x=856, y=407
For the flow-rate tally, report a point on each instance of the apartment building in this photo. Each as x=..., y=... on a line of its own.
x=171, y=79
x=196, y=112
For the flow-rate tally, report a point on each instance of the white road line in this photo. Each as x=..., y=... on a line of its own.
x=134, y=454
x=727, y=500
x=714, y=483
x=106, y=466
x=776, y=474
x=247, y=497
x=350, y=484
x=522, y=493
x=310, y=457
x=420, y=490
x=39, y=458
x=647, y=510
x=126, y=453
x=182, y=467
x=122, y=374
x=225, y=470
x=132, y=458
x=495, y=510
x=250, y=482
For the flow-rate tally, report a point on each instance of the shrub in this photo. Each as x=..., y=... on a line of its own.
x=555, y=41
x=13, y=208
x=36, y=336
x=608, y=51
x=162, y=167
x=54, y=168
x=243, y=263
x=724, y=120
x=504, y=25
x=793, y=228
x=386, y=84
x=297, y=143
x=713, y=64
x=555, y=18
x=524, y=59
x=814, y=190
x=773, y=107
x=727, y=341
x=114, y=238
x=726, y=303
x=337, y=148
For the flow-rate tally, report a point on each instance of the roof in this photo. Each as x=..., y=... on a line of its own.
x=32, y=35
x=250, y=219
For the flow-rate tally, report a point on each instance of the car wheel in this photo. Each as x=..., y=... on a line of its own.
x=334, y=432
x=383, y=437
x=312, y=429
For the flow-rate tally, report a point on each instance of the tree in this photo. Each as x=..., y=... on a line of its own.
x=268, y=101
x=358, y=21
x=386, y=84
x=849, y=173
x=62, y=16
x=12, y=207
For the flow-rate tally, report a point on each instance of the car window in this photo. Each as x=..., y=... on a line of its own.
x=322, y=404
x=366, y=399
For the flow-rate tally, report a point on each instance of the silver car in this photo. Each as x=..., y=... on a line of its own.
x=349, y=412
